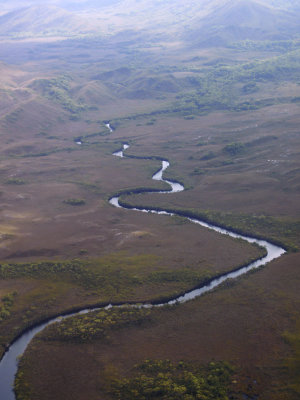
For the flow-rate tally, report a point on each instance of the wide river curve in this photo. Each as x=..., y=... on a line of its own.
x=9, y=362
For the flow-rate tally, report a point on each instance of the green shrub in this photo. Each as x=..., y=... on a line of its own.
x=95, y=325
x=15, y=181
x=74, y=202
x=7, y=303
x=234, y=148
x=208, y=156
x=161, y=379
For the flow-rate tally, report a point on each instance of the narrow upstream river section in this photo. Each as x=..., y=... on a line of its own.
x=9, y=363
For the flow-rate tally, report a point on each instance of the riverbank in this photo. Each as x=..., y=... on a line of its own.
x=273, y=251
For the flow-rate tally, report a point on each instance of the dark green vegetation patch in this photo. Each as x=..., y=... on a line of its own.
x=58, y=90
x=74, y=202
x=95, y=325
x=277, y=230
x=15, y=181
x=218, y=88
x=83, y=273
x=6, y=304
x=292, y=363
x=161, y=379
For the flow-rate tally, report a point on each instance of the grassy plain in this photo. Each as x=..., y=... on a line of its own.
x=232, y=139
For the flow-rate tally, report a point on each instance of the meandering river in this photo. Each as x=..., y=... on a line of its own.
x=9, y=363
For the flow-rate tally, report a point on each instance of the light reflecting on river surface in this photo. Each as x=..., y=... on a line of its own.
x=8, y=364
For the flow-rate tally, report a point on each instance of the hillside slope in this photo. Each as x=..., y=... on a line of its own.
x=43, y=20
x=244, y=19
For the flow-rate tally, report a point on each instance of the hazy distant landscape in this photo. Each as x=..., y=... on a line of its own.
x=214, y=88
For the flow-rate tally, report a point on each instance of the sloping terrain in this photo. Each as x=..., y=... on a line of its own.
x=173, y=80
x=13, y=90
x=10, y=75
x=211, y=22
x=71, y=5
x=131, y=83
x=42, y=20
x=244, y=19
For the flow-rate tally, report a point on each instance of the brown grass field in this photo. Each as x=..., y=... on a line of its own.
x=253, y=322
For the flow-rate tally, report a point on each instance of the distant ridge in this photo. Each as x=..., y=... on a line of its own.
x=70, y=5
x=200, y=22
x=41, y=20
x=244, y=19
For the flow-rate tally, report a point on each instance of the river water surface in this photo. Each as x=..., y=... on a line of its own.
x=9, y=363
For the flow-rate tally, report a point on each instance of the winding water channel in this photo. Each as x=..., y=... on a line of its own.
x=9, y=363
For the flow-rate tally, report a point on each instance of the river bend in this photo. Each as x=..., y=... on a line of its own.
x=9, y=363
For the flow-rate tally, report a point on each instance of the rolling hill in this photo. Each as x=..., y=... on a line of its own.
x=244, y=19
x=70, y=5
x=43, y=20
x=202, y=21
